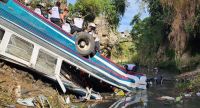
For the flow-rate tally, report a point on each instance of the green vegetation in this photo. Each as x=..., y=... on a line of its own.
x=190, y=82
x=149, y=34
x=124, y=52
x=169, y=37
x=113, y=10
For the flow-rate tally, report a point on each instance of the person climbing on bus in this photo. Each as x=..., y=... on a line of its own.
x=56, y=14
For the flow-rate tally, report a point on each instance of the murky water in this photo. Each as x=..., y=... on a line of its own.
x=149, y=98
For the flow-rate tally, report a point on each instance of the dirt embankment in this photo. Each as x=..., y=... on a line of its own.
x=189, y=81
x=16, y=84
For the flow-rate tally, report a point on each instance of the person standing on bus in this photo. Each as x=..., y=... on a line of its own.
x=92, y=30
x=38, y=9
x=56, y=14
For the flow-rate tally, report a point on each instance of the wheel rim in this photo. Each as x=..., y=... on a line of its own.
x=83, y=44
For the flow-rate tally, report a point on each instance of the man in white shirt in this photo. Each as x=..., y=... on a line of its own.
x=130, y=68
x=56, y=14
x=66, y=27
x=38, y=10
x=92, y=31
x=78, y=22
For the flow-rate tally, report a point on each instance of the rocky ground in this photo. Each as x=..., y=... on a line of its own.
x=15, y=84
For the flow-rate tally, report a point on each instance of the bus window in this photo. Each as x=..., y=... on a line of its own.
x=46, y=62
x=20, y=48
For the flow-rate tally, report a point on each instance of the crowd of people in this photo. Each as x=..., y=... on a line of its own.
x=61, y=18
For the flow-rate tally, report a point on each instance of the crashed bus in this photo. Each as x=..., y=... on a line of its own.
x=32, y=41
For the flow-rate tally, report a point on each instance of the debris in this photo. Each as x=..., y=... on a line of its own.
x=88, y=94
x=98, y=96
x=119, y=92
x=10, y=106
x=198, y=93
x=17, y=91
x=67, y=101
x=44, y=101
x=188, y=94
x=179, y=99
x=166, y=98
x=13, y=84
x=26, y=102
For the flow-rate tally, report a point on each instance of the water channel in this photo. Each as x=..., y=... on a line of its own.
x=149, y=98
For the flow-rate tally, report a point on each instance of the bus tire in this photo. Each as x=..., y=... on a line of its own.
x=85, y=44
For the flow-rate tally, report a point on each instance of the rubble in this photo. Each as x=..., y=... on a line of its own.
x=166, y=98
x=198, y=93
x=17, y=85
x=19, y=89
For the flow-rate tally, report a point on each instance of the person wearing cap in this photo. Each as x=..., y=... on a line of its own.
x=91, y=28
x=56, y=14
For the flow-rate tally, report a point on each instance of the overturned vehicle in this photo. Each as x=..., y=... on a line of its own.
x=35, y=43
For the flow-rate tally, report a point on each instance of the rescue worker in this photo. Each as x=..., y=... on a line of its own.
x=56, y=14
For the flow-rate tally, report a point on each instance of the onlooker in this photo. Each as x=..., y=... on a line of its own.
x=97, y=43
x=38, y=9
x=64, y=14
x=78, y=21
x=77, y=25
x=49, y=12
x=130, y=68
x=92, y=31
x=56, y=14
x=66, y=26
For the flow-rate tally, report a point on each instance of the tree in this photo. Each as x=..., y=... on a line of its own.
x=150, y=33
x=113, y=10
